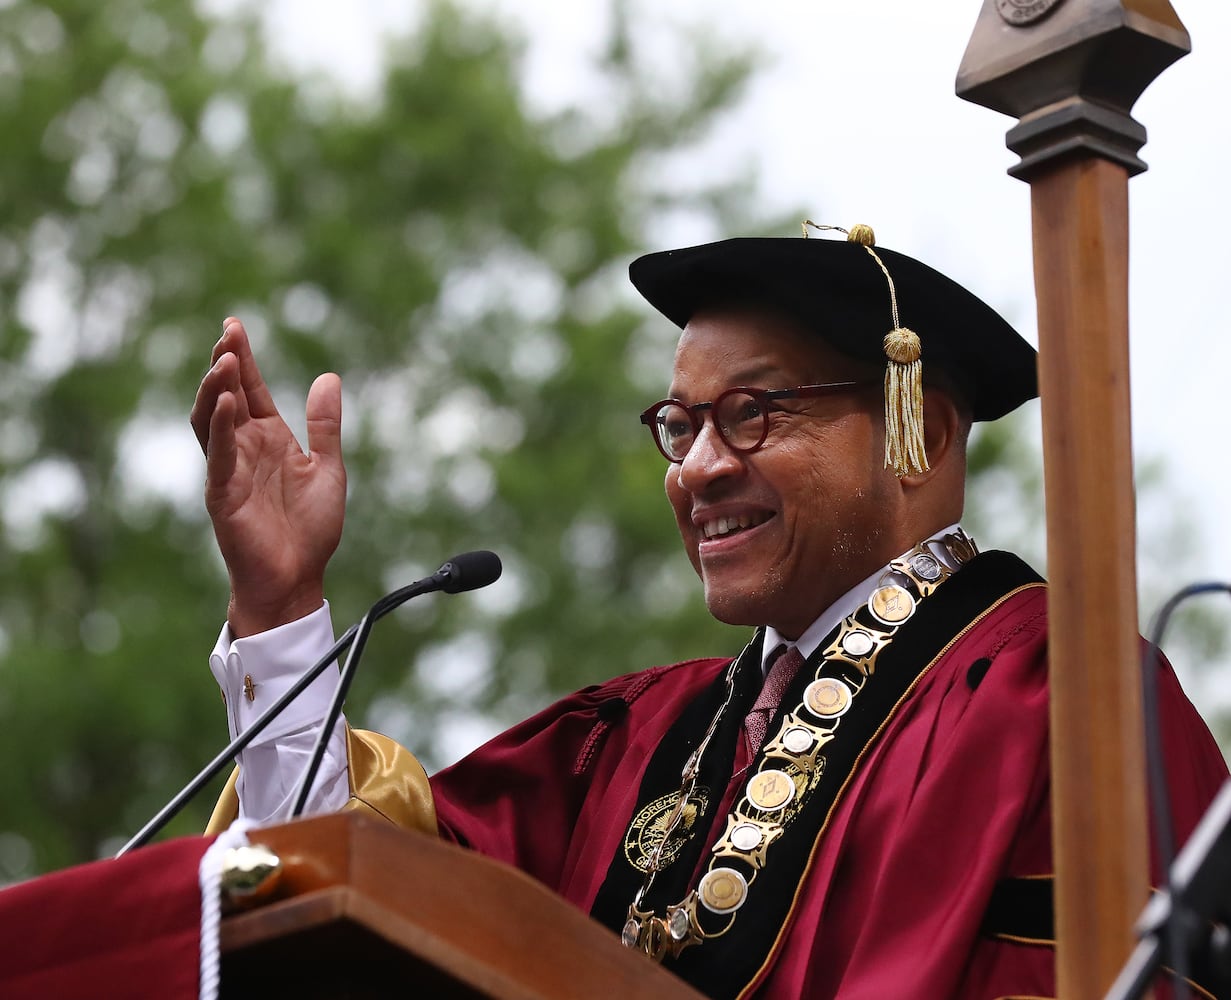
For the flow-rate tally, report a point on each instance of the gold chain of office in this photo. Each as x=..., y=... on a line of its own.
x=788, y=770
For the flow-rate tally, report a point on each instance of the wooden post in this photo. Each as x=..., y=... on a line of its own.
x=1070, y=72
x=1100, y=837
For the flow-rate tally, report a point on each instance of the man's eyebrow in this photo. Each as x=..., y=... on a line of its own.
x=756, y=376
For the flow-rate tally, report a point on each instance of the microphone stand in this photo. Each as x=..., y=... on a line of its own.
x=228, y=753
x=1190, y=914
x=468, y=571
x=349, y=668
x=1192, y=911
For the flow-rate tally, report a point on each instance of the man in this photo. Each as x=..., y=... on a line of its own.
x=864, y=815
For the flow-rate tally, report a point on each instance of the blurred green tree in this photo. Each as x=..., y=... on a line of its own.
x=1004, y=502
x=457, y=256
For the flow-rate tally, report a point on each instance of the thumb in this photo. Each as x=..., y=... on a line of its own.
x=324, y=416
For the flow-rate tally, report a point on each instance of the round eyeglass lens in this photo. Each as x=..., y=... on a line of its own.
x=673, y=425
x=741, y=420
x=738, y=416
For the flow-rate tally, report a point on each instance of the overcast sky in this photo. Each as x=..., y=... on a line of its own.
x=855, y=116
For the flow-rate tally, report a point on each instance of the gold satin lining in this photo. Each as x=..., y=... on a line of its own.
x=385, y=780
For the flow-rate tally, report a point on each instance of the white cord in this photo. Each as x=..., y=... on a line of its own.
x=209, y=875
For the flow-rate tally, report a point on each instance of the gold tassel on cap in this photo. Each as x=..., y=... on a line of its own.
x=904, y=448
x=905, y=452
x=862, y=235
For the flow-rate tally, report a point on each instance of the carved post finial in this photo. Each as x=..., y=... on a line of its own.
x=1070, y=71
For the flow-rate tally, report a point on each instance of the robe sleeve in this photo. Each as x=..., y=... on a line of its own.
x=947, y=823
x=519, y=797
x=385, y=780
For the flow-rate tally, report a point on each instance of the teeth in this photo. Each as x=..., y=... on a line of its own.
x=725, y=525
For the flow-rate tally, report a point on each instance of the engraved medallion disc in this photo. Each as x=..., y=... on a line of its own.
x=678, y=925
x=1021, y=12
x=827, y=698
x=747, y=836
x=926, y=566
x=631, y=932
x=891, y=604
x=961, y=546
x=770, y=790
x=723, y=890
x=857, y=643
x=797, y=739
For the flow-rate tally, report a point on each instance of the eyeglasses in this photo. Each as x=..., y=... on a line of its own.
x=741, y=416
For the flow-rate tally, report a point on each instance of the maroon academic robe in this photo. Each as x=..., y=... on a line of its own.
x=948, y=804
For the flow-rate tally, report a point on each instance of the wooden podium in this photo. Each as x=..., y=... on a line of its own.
x=363, y=909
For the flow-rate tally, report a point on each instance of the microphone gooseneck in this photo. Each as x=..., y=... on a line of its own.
x=468, y=571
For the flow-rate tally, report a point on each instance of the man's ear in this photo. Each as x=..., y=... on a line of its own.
x=944, y=433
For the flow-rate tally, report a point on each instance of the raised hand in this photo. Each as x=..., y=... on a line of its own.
x=277, y=512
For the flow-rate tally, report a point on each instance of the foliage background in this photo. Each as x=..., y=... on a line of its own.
x=459, y=256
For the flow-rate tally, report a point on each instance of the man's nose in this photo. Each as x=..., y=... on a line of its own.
x=710, y=458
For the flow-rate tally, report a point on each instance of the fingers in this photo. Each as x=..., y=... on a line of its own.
x=221, y=450
x=259, y=400
x=223, y=377
x=233, y=369
x=233, y=392
x=226, y=341
x=324, y=417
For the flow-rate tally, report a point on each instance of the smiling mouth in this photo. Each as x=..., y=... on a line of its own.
x=721, y=527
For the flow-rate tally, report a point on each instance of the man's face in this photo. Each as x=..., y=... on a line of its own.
x=779, y=534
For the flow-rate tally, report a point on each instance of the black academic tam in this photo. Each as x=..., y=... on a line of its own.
x=836, y=288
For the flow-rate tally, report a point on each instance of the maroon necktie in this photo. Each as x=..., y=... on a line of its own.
x=784, y=668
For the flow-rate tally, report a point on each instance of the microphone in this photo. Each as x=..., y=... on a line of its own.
x=468, y=571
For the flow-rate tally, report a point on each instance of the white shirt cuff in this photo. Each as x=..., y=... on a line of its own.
x=253, y=673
